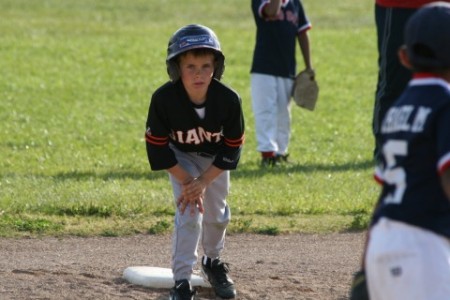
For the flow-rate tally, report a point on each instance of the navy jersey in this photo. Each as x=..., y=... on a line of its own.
x=276, y=38
x=404, y=3
x=172, y=119
x=416, y=150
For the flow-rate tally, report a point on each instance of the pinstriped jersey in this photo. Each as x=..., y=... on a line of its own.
x=416, y=150
x=173, y=122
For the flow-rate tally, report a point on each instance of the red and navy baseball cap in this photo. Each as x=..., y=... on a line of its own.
x=427, y=36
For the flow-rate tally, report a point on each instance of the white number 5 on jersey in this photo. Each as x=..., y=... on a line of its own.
x=392, y=174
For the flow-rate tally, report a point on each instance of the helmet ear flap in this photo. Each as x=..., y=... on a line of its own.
x=173, y=70
x=219, y=67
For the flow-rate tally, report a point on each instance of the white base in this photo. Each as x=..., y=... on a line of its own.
x=155, y=277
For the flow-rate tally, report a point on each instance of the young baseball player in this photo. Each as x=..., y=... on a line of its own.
x=280, y=25
x=408, y=249
x=390, y=19
x=195, y=131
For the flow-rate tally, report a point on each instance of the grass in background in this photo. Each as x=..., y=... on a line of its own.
x=76, y=81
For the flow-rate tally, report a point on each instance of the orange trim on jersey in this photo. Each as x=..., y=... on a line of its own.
x=158, y=141
x=235, y=142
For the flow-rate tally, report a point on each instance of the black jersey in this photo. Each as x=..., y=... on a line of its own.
x=416, y=150
x=172, y=119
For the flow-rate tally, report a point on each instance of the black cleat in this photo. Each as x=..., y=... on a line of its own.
x=269, y=162
x=216, y=272
x=182, y=291
x=282, y=158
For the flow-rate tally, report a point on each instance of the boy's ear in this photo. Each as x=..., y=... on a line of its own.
x=404, y=58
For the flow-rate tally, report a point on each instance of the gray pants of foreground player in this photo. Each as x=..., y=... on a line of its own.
x=209, y=227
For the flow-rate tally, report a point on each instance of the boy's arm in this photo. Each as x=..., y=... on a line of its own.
x=186, y=179
x=180, y=174
x=209, y=175
x=228, y=156
x=184, y=199
x=194, y=188
x=303, y=40
x=272, y=8
x=445, y=181
x=159, y=154
x=443, y=144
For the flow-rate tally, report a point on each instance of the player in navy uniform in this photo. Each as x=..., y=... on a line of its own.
x=280, y=25
x=390, y=19
x=408, y=249
x=195, y=131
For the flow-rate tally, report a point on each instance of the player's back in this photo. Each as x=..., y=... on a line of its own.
x=413, y=144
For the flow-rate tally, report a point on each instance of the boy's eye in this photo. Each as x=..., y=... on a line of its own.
x=203, y=68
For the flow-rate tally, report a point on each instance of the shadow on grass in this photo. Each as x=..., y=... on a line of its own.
x=112, y=175
x=246, y=170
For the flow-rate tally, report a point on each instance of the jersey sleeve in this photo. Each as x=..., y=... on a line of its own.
x=258, y=7
x=228, y=156
x=159, y=154
x=378, y=174
x=443, y=140
x=303, y=23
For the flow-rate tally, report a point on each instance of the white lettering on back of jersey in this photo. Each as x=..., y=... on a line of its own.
x=420, y=119
x=399, y=119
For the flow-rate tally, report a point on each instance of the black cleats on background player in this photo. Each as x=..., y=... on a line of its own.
x=216, y=272
x=282, y=158
x=278, y=159
x=269, y=162
x=182, y=291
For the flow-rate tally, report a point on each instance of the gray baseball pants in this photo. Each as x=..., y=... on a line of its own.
x=209, y=227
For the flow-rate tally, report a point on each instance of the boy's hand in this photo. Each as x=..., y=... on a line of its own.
x=306, y=90
x=192, y=195
x=182, y=203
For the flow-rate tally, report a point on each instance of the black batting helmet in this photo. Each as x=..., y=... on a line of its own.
x=193, y=36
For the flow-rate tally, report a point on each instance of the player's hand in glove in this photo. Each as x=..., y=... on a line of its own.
x=306, y=90
x=311, y=73
x=359, y=290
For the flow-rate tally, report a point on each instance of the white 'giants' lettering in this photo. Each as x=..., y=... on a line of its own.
x=196, y=136
x=192, y=137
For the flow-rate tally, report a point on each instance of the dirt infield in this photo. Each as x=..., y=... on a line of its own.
x=295, y=266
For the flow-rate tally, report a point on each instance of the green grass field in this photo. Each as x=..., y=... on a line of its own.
x=76, y=79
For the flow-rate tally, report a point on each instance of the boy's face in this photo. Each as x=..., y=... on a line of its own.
x=196, y=74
